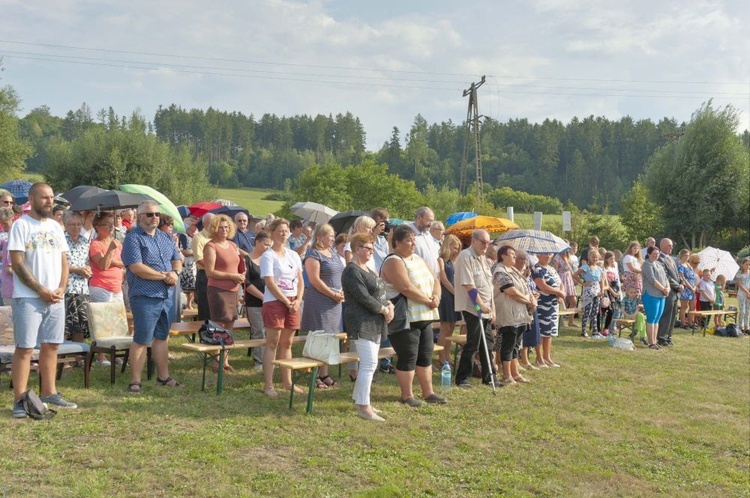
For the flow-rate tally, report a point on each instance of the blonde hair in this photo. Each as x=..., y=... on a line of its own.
x=637, y=254
x=448, y=242
x=318, y=233
x=213, y=228
x=361, y=224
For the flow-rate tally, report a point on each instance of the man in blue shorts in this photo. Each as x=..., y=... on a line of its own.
x=154, y=267
x=38, y=254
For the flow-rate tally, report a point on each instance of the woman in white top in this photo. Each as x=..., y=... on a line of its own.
x=281, y=269
x=631, y=265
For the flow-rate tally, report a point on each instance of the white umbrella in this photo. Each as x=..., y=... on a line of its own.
x=720, y=262
x=312, y=211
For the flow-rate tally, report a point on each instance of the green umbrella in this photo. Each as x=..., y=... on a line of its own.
x=165, y=205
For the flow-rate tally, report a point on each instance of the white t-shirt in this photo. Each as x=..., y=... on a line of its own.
x=629, y=258
x=43, y=243
x=284, y=269
x=707, y=290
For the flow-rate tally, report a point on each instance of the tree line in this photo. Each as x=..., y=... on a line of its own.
x=689, y=180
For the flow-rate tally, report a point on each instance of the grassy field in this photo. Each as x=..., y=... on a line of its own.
x=252, y=199
x=609, y=423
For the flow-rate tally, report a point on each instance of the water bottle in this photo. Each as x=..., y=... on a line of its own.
x=445, y=377
x=611, y=339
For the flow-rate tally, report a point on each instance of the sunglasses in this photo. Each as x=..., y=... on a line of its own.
x=151, y=215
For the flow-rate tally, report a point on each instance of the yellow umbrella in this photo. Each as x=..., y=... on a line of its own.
x=489, y=223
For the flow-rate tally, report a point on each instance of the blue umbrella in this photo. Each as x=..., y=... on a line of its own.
x=460, y=216
x=19, y=189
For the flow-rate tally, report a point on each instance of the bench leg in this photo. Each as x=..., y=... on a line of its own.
x=220, y=380
x=311, y=391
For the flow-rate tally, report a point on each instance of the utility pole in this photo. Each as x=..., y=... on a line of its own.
x=472, y=126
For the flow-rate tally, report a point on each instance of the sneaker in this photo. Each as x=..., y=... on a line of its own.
x=258, y=366
x=644, y=342
x=18, y=410
x=585, y=335
x=57, y=400
x=104, y=363
x=465, y=385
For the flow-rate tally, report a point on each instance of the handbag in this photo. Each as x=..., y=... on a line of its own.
x=215, y=335
x=400, y=315
x=323, y=346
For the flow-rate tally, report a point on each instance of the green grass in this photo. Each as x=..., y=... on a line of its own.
x=609, y=423
x=252, y=199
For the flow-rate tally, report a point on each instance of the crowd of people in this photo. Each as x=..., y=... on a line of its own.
x=383, y=285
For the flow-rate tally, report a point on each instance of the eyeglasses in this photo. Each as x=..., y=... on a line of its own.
x=7, y=202
x=169, y=224
x=151, y=215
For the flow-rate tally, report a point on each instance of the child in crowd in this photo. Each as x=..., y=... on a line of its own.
x=591, y=277
x=630, y=311
x=721, y=282
x=615, y=297
x=707, y=291
x=572, y=256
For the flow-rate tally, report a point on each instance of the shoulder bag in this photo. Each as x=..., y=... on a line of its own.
x=323, y=346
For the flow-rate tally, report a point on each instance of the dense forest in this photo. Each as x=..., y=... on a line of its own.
x=591, y=162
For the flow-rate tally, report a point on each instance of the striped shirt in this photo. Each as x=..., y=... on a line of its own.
x=421, y=277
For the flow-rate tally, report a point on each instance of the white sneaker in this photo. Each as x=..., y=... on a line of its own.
x=104, y=363
x=258, y=366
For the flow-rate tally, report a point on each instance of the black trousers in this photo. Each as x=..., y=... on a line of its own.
x=474, y=344
x=201, y=295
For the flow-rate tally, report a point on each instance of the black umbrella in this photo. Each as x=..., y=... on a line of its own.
x=109, y=199
x=76, y=193
x=231, y=211
x=344, y=221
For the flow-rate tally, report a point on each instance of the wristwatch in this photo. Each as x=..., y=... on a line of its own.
x=178, y=273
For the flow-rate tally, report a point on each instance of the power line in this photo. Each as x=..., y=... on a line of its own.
x=397, y=71
x=147, y=66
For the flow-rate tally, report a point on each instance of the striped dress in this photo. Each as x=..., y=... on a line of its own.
x=421, y=277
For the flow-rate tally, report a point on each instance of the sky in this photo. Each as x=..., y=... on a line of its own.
x=385, y=62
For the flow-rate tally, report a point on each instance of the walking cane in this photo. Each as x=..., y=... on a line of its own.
x=493, y=375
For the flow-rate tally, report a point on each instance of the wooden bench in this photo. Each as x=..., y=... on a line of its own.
x=709, y=313
x=460, y=342
x=190, y=329
x=208, y=353
x=624, y=323
x=301, y=365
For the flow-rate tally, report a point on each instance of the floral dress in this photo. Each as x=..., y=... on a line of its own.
x=687, y=274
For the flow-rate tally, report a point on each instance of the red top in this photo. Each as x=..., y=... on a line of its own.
x=110, y=279
x=227, y=260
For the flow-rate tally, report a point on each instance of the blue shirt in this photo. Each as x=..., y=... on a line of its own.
x=244, y=240
x=157, y=252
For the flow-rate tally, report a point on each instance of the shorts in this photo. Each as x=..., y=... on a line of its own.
x=152, y=318
x=37, y=322
x=277, y=316
x=100, y=295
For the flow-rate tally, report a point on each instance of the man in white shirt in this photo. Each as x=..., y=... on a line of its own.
x=38, y=254
x=425, y=244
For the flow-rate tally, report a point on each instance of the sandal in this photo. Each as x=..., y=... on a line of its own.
x=319, y=384
x=134, y=388
x=352, y=378
x=168, y=382
x=328, y=381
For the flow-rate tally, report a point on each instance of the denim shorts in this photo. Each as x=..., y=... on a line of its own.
x=37, y=322
x=152, y=318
